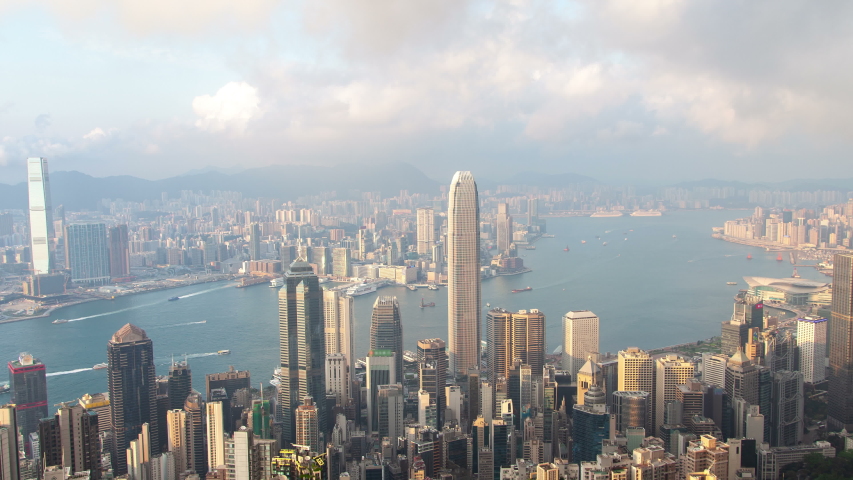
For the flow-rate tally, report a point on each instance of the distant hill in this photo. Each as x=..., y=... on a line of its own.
x=78, y=191
x=552, y=180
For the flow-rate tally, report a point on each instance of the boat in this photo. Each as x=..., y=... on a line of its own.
x=519, y=290
x=731, y=283
x=223, y=352
x=5, y=388
x=60, y=320
x=566, y=249
x=604, y=244
x=412, y=287
x=361, y=289
x=530, y=247
x=674, y=236
x=749, y=256
x=172, y=299
x=433, y=287
x=100, y=366
x=795, y=274
x=606, y=213
x=582, y=242
x=779, y=257
x=277, y=282
x=646, y=213
x=427, y=304
x=548, y=235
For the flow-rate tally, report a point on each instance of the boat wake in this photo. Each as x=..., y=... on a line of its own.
x=188, y=356
x=111, y=313
x=67, y=372
x=205, y=291
x=182, y=324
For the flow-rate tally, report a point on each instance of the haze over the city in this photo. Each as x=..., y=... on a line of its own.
x=632, y=92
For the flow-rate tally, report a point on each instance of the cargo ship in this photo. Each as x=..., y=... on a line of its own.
x=361, y=289
x=519, y=290
x=427, y=304
x=100, y=366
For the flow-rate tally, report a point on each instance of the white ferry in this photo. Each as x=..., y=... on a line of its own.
x=224, y=352
x=646, y=213
x=277, y=282
x=606, y=213
x=100, y=366
x=361, y=289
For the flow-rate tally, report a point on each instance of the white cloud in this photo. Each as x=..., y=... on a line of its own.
x=97, y=133
x=229, y=110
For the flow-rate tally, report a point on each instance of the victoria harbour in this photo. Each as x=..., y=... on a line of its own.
x=658, y=281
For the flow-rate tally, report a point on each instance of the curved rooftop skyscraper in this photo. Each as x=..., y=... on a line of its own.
x=463, y=274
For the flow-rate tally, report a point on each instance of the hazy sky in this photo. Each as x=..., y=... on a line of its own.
x=647, y=91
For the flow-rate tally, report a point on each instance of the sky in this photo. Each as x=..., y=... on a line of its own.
x=646, y=92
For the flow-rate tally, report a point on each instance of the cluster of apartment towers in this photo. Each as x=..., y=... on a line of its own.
x=511, y=416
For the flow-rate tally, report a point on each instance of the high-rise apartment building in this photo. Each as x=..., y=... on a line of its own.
x=503, y=228
x=302, y=346
x=87, y=253
x=426, y=230
x=338, y=314
x=511, y=336
x=811, y=340
x=215, y=436
x=307, y=432
x=178, y=431
x=70, y=440
x=670, y=372
x=133, y=390
x=41, y=215
x=463, y=274
x=9, y=465
x=580, y=339
x=196, y=447
x=432, y=370
x=255, y=241
x=119, y=252
x=386, y=330
x=230, y=381
x=28, y=389
x=390, y=411
x=341, y=262
x=337, y=379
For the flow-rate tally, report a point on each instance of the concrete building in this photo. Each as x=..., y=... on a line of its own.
x=670, y=372
x=119, y=251
x=637, y=374
x=463, y=274
x=339, y=315
x=87, y=254
x=503, y=228
x=9, y=465
x=215, y=436
x=28, y=390
x=811, y=340
x=512, y=336
x=432, y=371
x=580, y=339
x=425, y=230
x=307, y=432
x=337, y=378
x=70, y=440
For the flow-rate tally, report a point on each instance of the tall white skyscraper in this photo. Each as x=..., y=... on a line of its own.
x=580, y=339
x=338, y=316
x=215, y=436
x=463, y=274
x=426, y=230
x=811, y=340
x=41, y=215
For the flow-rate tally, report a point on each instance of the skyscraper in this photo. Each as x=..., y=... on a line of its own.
x=463, y=274
x=28, y=385
x=119, y=252
x=637, y=373
x=670, y=372
x=426, y=230
x=306, y=425
x=196, y=452
x=41, y=215
x=70, y=439
x=839, y=409
x=302, y=346
x=215, y=436
x=432, y=370
x=8, y=443
x=381, y=368
x=133, y=390
x=338, y=314
x=87, y=254
x=580, y=339
x=591, y=425
x=255, y=241
x=511, y=336
x=386, y=331
x=811, y=340
x=178, y=431
x=503, y=227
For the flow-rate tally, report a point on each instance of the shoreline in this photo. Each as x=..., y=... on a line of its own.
x=54, y=308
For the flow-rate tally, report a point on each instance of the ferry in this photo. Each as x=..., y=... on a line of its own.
x=606, y=213
x=583, y=241
x=412, y=287
x=224, y=352
x=427, y=304
x=779, y=257
x=731, y=283
x=277, y=282
x=361, y=289
x=100, y=366
x=172, y=299
x=646, y=213
x=604, y=244
x=60, y=320
x=432, y=286
x=519, y=290
x=5, y=388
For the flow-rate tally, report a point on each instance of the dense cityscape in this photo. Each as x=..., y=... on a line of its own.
x=486, y=402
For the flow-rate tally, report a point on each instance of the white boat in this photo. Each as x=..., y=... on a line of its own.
x=411, y=287
x=646, y=213
x=223, y=352
x=606, y=213
x=100, y=366
x=60, y=320
x=277, y=282
x=433, y=287
x=361, y=289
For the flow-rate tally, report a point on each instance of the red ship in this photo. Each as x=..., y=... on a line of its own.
x=749, y=256
x=779, y=257
x=566, y=249
x=519, y=290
